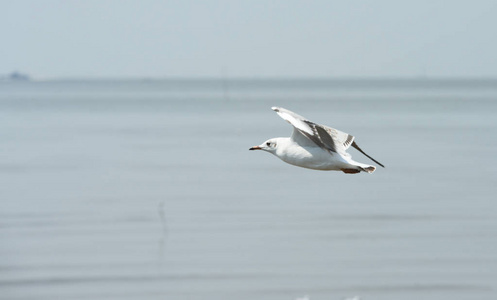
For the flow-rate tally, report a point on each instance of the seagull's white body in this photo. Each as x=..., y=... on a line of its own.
x=313, y=157
x=314, y=146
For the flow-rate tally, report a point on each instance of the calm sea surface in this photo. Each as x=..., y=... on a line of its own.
x=147, y=190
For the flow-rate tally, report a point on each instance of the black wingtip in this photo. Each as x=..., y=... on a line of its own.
x=360, y=150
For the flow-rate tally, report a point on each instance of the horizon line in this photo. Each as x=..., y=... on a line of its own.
x=5, y=78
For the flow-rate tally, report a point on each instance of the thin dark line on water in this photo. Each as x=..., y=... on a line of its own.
x=162, y=241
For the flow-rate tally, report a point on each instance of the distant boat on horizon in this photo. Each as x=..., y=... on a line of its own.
x=16, y=76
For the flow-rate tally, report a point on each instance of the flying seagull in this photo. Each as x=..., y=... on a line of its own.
x=315, y=146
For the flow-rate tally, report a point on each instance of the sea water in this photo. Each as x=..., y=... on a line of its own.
x=146, y=190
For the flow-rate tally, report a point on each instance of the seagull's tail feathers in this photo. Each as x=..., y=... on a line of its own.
x=369, y=169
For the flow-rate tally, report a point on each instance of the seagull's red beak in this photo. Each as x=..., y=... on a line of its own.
x=256, y=148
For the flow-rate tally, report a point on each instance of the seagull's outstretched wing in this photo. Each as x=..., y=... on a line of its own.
x=305, y=132
x=325, y=137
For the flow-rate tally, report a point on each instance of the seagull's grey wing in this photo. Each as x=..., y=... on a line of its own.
x=322, y=136
x=302, y=132
x=295, y=120
x=341, y=138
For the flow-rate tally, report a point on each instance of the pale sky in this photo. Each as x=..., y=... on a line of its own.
x=254, y=39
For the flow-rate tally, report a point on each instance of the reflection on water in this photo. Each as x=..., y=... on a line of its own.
x=147, y=190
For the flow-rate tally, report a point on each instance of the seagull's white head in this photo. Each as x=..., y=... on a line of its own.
x=269, y=146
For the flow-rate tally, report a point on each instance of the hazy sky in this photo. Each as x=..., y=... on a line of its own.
x=228, y=38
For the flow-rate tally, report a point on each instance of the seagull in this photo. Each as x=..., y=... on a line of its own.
x=315, y=146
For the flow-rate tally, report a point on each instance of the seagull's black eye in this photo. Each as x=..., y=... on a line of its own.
x=268, y=144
